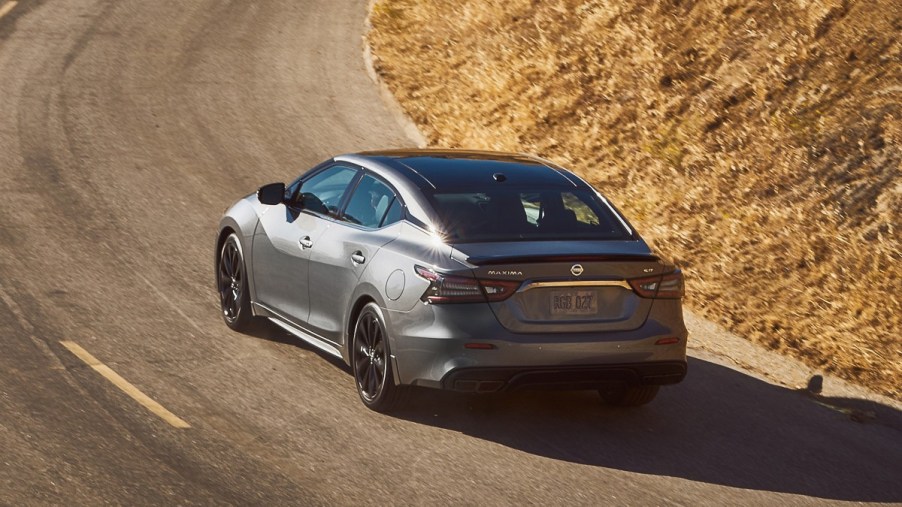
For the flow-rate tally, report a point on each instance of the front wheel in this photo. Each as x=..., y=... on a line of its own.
x=629, y=396
x=371, y=362
x=234, y=299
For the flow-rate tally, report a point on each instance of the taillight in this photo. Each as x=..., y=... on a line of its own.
x=449, y=289
x=672, y=286
x=459, y=289
x=646, y=287
x=499, y=290
x=669, y=286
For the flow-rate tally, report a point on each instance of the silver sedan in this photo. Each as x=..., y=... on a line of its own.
x=469, y=271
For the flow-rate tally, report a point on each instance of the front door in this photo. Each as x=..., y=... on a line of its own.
x=287, y=234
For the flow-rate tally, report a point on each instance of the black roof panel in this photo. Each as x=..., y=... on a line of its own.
x=449, y=169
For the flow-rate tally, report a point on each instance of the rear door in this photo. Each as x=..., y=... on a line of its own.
x=346, y=250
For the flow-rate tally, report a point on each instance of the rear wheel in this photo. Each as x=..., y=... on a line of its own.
x=371, y=362
x=629, y=396
x=234, y=299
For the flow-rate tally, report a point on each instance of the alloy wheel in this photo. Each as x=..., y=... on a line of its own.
x=230, y=281
x=369, y=357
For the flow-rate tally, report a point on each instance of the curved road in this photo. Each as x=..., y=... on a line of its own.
x=126, y=127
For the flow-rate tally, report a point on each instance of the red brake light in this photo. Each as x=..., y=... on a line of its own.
x=669, y=286
x=459, y=289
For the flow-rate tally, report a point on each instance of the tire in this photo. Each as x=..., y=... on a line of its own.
x=231, y=282
x=629, y=396
x=371, y=362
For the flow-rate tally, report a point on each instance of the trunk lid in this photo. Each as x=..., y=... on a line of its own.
x=579, y=286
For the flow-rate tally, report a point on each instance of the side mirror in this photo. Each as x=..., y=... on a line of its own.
x=271, y=194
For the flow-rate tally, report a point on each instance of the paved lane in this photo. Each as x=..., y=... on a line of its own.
x=126, y=128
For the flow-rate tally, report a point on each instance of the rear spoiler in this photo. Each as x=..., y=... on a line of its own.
x=488, y=260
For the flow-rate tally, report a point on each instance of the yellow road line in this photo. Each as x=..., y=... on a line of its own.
x=8, y=6
x=124, y=385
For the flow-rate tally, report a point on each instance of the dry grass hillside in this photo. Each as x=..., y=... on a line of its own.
x=759, y=144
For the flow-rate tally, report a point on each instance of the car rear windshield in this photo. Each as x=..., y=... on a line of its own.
x=527, y=214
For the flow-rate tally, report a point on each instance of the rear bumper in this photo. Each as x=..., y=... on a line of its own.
x=429, y=348
x=493, y=379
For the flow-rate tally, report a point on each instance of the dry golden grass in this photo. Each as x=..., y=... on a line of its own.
x=757, y=143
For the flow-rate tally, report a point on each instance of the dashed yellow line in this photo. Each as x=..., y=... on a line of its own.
x=125, y=385
x=7, y=7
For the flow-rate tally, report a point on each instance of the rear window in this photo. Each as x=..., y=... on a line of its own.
x=518, y=214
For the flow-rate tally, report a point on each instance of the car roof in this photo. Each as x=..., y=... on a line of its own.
x=441, y=170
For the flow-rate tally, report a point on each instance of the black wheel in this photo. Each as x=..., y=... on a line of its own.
x=370, y=360
x=629, y=396
x=232, y=284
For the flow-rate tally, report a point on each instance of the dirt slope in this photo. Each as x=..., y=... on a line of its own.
x=757, y=143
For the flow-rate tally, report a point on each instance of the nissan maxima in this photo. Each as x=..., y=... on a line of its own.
x=468, y=271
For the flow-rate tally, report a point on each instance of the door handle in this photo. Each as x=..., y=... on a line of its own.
x=306, y=242
x=357, y=257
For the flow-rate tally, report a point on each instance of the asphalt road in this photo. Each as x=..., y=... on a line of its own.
x=126, y=127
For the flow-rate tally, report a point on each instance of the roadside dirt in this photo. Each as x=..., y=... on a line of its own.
x=756, y=144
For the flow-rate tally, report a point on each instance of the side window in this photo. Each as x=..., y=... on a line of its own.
x=369, y=202
x=323, y=192
x=394, y=214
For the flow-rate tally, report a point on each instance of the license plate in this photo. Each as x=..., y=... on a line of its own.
x=574, y=302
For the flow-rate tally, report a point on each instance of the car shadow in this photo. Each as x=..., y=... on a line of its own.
x=719, y=426
x=266, y=330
